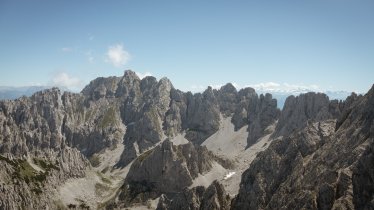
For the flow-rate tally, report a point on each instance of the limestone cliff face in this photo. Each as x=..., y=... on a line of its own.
x=297, y=111
x=262, y=113
x=212, y=198
x=46, y=139
x=164, y=169
x=320, y=157
x=325, y=165
x=153, y=110
x=34, y=152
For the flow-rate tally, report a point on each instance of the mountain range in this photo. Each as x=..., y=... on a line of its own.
x=8, y=92
x=11, y=93
x=131, y=143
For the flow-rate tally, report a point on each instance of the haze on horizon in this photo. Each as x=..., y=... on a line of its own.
x=318, y=45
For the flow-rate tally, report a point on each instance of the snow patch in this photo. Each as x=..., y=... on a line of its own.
x=229, y=175
x=206, y=179
x=179, y=139
x=231, y=144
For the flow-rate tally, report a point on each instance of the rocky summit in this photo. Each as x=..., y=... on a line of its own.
x=131, y=143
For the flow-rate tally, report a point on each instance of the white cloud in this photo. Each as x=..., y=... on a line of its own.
x=142, y=75
x=266, y=86
x=217, y=87
x=64, y=80
x=117, y=56
x=66, y=49
x=201, y=88
x=271, y=87
x=284, y=87
x=236, y=85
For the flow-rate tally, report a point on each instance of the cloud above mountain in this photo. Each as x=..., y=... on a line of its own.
x=142, y=75
x=62, y=79
x=284, y=88
x=117, y=55
x=270, y=87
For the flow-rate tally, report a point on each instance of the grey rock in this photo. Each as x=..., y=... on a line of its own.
x=101, y=88
x=203, y=116
x=227, y=98
x=214, y=197
x=258, y=112
x=320, y=166
x=240, y=116
x=298, y=110
x=331, y=140
x=164, y=169
x=262, y=112
x=31, y=129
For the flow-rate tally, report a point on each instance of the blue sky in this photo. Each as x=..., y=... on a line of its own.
x=320, y=44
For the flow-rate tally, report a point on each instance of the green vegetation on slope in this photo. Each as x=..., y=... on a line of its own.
x=108, y=118
x=23, y=171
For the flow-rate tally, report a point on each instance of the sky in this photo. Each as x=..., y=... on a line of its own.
x=315, y=44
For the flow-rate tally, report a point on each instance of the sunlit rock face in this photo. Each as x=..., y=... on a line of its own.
x=117, y=139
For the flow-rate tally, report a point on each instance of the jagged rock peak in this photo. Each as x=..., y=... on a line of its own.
x=298, y=110
x=212, y=198
x=370, y=93
x=228, y=88
x=131, y=75
x=165, y=169
x=262, y=113
x=165, y=81
x=101, y=87
x=49, y=90
x=318, y=166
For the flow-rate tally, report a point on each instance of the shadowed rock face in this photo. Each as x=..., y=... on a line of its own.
x=297, y=111
x=322, y=166
x=262, y=113
x=139, y=113
x=158, y=110
x=321, y=157
x=214, y=197
x=164, y=169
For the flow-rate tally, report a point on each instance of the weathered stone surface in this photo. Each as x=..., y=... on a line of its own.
x=240, y=116
x=102, y=88
x=323, y=159
x=298, y=110
x=203, y=116
x=227, y=97
x=214, y=197
x=317, y=167
x=32, y=132
x=164, y=169
x=262, y=112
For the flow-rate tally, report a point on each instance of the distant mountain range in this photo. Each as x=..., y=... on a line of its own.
x=281, y=96
x=131, y=143
x=9, y=92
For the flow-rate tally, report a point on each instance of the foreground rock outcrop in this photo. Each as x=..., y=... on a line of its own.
x=165, y=169
x=34, y=153
x=323, y=166
x=212, y=198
